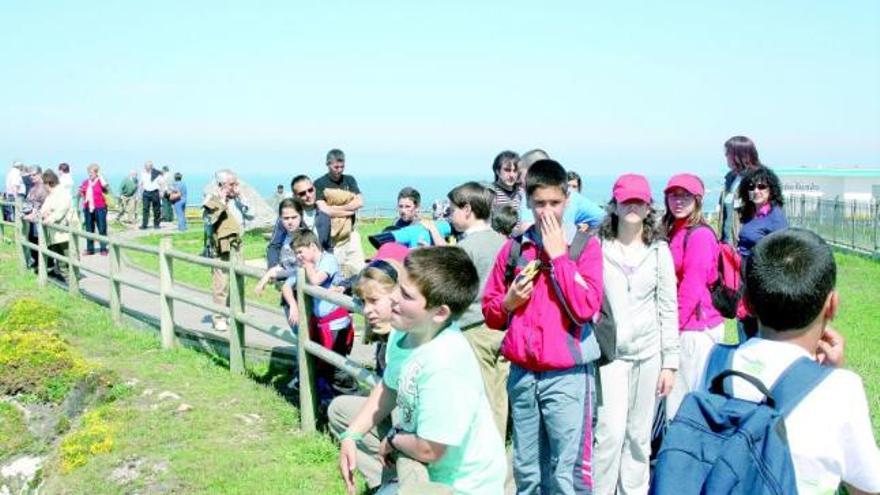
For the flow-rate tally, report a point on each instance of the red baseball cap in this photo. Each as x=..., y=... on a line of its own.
x=631, y=186
x=689, y=182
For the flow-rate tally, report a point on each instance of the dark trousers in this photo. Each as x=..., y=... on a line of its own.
x=150, y=199
x=97, y=218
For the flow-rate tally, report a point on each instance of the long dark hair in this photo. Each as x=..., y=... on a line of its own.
x=743, y=153
x=294, y=203
x=651, y=230
x=760, y=175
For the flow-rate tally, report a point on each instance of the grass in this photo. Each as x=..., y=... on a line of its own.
x=233, y=436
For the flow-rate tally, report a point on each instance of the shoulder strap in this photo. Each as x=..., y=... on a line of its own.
x=720, y=359
x=690, y=230
x=798, y=380
x=512, y=259
x=578, y=244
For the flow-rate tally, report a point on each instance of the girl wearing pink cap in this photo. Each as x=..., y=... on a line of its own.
x=640, y=286
x=695, y=253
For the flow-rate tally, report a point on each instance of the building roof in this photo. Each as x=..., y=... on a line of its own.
x=828, y=172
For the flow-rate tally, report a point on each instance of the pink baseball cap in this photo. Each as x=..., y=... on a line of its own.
x=689, y=182
x=391, y=251
x=631, y=186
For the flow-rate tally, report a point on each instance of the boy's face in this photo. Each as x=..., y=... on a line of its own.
x=308, y=254
x=549, y=200
x=407, y=209
x=408, y=311
x=508, y=174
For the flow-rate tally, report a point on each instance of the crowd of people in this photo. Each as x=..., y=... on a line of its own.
x=491, y=322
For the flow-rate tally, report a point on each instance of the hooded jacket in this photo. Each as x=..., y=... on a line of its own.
x=696, y=267
x=643, y=301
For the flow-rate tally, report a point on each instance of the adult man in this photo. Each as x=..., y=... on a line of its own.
x=345, y=239
x=64, y=178
x=150, y=183
x=276, y=198
x=127, y=194
x=226, y=212
x=14, y=188
x=166, y=208
x=312, y=219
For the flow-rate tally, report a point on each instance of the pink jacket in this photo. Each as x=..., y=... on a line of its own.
x=97, y=192
x=540, y=336
x=695, y=269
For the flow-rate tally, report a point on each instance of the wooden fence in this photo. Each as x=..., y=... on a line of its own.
x=167, y=294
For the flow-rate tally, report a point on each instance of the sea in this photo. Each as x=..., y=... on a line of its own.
x=380, y=191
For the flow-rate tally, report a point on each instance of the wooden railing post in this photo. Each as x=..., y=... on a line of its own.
x=115, y=284
x=875, y=216
x=73, y=256
x=19, y=233
x=166, y=303
x=42, y=271
x=305, y=362
x=236, y=307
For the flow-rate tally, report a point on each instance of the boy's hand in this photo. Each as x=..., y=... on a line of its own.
x=552, y=236
x=518, y=294
x=348, y=463
x=385, y=453
x=261, y=285
x=665, y=382
x=293, y=316
x=830, y=350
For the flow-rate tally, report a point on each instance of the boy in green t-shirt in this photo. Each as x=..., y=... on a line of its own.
x=445, y=419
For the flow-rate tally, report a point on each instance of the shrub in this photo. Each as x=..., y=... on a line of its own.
x=38, y=364
x=94, y=436
x=14, y=435
x=29, y=314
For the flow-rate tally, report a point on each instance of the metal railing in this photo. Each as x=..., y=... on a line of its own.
x=849, y=224
x=167, y=294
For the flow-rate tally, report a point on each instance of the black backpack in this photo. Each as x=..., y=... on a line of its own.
x=603, y=326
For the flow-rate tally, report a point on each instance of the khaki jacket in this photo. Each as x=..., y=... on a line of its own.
x=56, y=210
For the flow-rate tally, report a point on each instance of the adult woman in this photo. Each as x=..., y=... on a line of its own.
x=94, y=206
x=761, y=214
x=177, y=196
x=640, y=285
x=742, y=156
x=55, y=210
x=695, y=253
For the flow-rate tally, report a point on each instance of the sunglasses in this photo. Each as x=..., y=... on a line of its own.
x=303, y=193
x=760, y=187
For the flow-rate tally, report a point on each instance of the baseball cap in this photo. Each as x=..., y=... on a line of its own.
x=689, y=182
x=631, y=186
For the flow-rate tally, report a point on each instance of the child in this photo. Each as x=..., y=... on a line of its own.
x=549, y=385
x=695, y=253
x=290, y=214
x=640, y=287
x=375, y=286
x=470, y=209
x=790, y=281
x=504, y=219
x=434, y=380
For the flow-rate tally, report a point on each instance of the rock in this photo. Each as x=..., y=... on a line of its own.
x=127, y=472
x=166, y=395
x=249, y=419
x=147, y=392
x=184, y=408
x=21, y=475
x=132, y=382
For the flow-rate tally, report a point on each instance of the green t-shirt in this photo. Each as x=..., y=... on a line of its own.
x=441, y=398
x=395, y=356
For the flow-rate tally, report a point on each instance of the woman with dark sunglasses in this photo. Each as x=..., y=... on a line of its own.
x=761, y=214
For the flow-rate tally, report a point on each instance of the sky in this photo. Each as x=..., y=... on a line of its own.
x=438, y=88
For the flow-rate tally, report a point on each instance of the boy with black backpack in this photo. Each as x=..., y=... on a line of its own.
x=776, y=414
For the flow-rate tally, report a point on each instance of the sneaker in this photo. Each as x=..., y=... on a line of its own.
x=105, y=253
x=143, y=227
x=221, y=325
x=87, y=253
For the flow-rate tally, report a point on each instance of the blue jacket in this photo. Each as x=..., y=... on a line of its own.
x=758, y=227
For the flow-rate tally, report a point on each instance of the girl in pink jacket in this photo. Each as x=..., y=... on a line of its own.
x=695, y=255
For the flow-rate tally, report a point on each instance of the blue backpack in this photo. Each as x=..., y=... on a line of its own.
x=718, y=444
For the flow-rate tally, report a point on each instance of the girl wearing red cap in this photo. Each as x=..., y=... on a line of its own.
x=695, y=253
x=640, y=286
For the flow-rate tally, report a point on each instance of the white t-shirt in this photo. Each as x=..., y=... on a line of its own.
x=829, y=432
x=14, y=182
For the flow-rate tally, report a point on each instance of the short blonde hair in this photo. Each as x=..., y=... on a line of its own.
x=93, y=166
x=373, y=279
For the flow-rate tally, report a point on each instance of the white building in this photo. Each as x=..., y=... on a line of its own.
x=847, y=184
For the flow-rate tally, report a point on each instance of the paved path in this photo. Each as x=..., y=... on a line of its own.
x=188, y=318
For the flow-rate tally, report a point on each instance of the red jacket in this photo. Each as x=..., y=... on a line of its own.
x=540, y=336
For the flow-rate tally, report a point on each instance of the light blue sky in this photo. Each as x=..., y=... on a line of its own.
x=438, y=87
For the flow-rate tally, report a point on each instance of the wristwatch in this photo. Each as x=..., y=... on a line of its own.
x=390, y=436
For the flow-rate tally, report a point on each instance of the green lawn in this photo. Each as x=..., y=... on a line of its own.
x=238, y=437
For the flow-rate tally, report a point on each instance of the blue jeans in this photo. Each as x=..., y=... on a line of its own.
x=95, y=218
x=181, y=217
x=552, y=418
